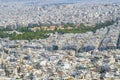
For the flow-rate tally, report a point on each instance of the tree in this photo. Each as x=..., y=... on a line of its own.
x=24, y=29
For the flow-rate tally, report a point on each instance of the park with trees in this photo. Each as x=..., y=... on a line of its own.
x=28, y=34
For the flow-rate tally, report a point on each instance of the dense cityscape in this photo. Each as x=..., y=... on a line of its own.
x=16, y=16
x=59, y=41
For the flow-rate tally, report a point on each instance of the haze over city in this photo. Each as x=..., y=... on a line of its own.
x=63, y=1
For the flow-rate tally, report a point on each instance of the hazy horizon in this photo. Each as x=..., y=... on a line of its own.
x=63, y=1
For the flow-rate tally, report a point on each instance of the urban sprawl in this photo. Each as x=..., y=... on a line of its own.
x=81, y=54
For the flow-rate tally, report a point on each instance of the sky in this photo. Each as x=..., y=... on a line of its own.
x=65, y=1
